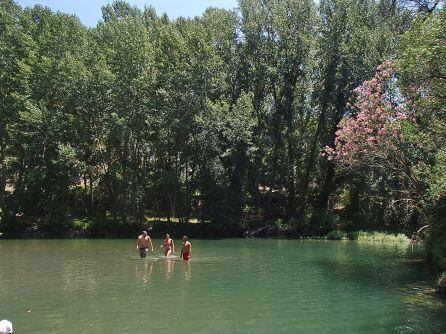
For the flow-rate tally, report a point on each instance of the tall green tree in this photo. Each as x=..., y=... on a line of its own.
x=351, y=45
x=16, y=61
x=422, y=65
x=279, y=47
x=126, y=48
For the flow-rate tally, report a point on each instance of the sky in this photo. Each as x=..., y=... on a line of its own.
x=89, y=11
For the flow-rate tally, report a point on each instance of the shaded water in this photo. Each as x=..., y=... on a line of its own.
x=229, y=286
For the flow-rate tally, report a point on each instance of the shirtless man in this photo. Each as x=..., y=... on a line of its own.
x=142, y=245
x=169, y=247
x=186, y=249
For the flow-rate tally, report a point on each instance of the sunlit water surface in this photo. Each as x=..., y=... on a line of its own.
x=229, y=286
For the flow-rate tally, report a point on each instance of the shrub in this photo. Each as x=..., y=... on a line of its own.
x=441, y=285
x=337, y=235
x=362, y=236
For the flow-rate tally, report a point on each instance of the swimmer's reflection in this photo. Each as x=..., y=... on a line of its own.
x=187, y=270
x=144, y=271
x=169, y=267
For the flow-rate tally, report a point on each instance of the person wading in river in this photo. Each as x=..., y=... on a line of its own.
x=186, y=249
x=169, y=247
x=142, y=245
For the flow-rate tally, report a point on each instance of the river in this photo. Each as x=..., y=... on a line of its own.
x=228, y=286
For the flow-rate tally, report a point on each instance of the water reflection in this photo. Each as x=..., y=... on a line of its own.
x=169, y=267
x=187, y=271
x=162, y=267
x=144, y=270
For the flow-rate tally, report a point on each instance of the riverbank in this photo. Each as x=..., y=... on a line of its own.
x=99, y=227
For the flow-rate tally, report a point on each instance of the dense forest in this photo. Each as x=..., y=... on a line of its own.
x=312, y=117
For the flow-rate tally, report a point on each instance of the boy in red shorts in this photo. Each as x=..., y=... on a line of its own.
x=186, y=249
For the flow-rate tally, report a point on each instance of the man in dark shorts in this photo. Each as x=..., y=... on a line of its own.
x=142, y=245
x=186, y=249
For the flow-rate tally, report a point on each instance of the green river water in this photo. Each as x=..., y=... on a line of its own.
x=228, y=286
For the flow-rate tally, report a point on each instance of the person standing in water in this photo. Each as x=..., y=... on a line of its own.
x=142, y=245
x=186, y=249
x=169, y=247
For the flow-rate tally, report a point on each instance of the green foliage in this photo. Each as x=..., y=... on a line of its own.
x=422, y=65
x=81, y=224
x=441, y=284
x=436, y=237
x=382, y=237
x=337, y=235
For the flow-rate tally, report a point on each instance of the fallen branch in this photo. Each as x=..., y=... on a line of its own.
x=416, y=236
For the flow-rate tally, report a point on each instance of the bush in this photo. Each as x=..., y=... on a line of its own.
x=436, y=238
x=362, y=236
x=441, y=285
x=337, y=235
x=436, y=246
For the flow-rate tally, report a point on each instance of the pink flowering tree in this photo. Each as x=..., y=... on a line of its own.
x=374, y=135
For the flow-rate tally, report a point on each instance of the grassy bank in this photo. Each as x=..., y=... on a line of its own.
x=362, y=236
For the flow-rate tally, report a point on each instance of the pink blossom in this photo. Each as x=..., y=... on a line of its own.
x=373, y=131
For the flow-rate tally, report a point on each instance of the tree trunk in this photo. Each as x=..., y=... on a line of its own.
x=290, y=83
x=330, y=172
x=2, y=173
x=236, y=186
x=328, y=87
